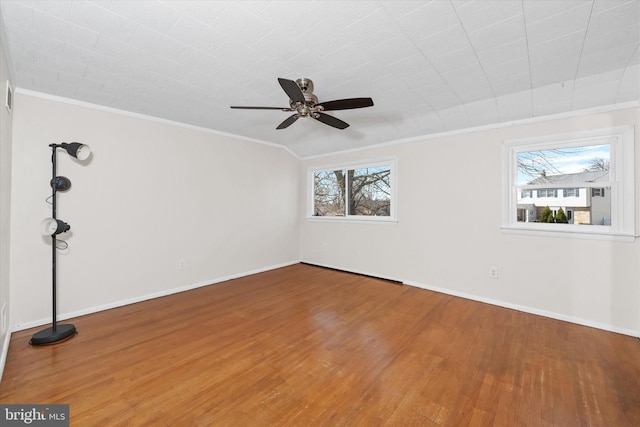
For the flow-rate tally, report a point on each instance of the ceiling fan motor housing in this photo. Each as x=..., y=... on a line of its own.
x=306, y=86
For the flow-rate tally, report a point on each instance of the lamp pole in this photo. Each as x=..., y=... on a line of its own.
x=57, y=332
x=54, y=240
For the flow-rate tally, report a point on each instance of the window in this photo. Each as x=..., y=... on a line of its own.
x=328, y=193
x=582, y=184
x=547, y=192
x=354, y=192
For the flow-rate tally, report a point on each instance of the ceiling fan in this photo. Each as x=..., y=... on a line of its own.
x=304, y=103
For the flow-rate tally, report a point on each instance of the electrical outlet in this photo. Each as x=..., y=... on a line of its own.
x=493, y=272
x=181, y=264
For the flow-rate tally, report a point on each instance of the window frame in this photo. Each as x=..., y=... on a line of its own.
x=547, y=192
x=393, y=176
x=621, y=183
x=566, y=193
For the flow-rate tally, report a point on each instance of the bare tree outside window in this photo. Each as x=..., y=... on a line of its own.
x=598, y=164
x=329, y=193
x=539, y=164
x=356, y=192
x=370, y=191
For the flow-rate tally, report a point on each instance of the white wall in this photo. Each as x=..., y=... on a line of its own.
x=448, y=232
x=152, y=194
x=5, y=203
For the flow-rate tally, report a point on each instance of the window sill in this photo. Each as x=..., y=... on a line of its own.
x=570, y=234
x=353, y=220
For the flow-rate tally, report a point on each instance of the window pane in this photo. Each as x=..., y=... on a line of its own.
x=328, y=193
x=576, y=165
x=571, y=168
x=370, y=191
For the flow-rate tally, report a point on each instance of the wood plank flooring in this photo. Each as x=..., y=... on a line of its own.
x=308, y=346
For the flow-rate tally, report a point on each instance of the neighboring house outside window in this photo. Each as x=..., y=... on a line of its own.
x=577, y=184
x=576, y=200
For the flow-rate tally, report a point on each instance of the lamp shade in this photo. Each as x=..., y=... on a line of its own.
x=52, y=227
x=77, y=150
x=60, y=183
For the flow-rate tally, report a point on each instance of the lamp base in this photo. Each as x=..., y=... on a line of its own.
x=50, y=336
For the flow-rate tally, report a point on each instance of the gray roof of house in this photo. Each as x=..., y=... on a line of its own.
x=572, y=179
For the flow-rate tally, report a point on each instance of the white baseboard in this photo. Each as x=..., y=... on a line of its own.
x=530, y=310
x=121, y=303
x=525, y=309
x=499, y=303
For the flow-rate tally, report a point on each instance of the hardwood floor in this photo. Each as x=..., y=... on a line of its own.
x=308, y=346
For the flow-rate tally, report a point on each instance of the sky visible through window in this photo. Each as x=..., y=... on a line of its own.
x=561, y=161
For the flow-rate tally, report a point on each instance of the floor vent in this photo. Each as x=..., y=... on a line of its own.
x=395, y=282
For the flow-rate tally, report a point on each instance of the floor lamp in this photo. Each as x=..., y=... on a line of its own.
x=52, y=227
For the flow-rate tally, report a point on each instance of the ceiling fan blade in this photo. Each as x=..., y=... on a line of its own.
x=346, y=104
x=262, y=108
x=331, y=121
x=288, y=122
x=292, y=90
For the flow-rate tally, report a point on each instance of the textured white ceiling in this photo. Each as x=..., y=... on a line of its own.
x=430, y=66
